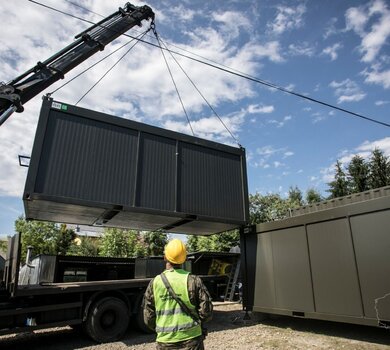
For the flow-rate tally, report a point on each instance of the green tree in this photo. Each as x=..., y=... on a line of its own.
x=197, y=243
x=339, y=186
x=313, y=196
x=122, y=243
x=379, y=169
x=44, y=237
x=270, y=207
x=358, y=172
x=84, y=247
x=155, y=242
x=223, y=242
x=206, y=244
x=64, y=239
x=193, y=243
x=295, y=196
x=3, y=245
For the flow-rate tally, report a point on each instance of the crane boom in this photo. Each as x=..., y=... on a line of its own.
x=17, y=92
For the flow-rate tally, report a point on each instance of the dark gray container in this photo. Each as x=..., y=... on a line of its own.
x=149, y=267
x=332, y=264
x=95, y=169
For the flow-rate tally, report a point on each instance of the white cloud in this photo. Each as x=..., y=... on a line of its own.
x=356, y=19
x=351, y=98
x=266, y=150
x=278, y=164
x=260, y=109
x=183, y=13
x=332, y=51
x=301, y=49
x=210, y=128
x=331, y=28
x=270, y=50
x=281, y=123
x=369, y=146
x=375, y=76
x=231, y=22
x=290, y=87
x=287, y=18
x=374, y=38
x=381, y=103
x=318, y=118
x=271, y=157
x=261, y=163
x=347, y=91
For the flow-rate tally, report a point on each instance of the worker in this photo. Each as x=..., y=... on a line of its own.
x=175, y=328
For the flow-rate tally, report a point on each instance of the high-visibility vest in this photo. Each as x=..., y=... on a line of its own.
x=172, y=323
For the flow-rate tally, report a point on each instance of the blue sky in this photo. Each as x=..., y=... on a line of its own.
x=334, y=51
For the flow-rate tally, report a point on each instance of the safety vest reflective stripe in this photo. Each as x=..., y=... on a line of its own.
x=169, y=312
x=176, y=328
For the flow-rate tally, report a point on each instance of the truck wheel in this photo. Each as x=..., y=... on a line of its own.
x=108, y=320
x=140, y=322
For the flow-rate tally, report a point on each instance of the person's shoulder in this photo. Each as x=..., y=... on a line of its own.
x=194, y=279
x=151, y=282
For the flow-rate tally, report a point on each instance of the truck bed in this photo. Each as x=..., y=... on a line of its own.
x=70, y=287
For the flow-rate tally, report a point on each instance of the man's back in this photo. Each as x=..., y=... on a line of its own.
x=175, y=328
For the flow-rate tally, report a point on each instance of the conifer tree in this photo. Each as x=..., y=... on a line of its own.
x=379, y=169
x=358, y=172
x=339, y=186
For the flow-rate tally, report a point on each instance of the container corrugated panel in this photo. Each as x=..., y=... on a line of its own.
x=95, y=169
x=341, y=201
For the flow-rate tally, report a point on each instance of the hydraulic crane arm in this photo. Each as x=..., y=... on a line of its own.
x=15, y=93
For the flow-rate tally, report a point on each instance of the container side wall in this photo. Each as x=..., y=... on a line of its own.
x=208, y=182
x=248, y=246
x=265, y=294
x=335, y=279
x=88, y=160
x=371, y=235
x=293, y=285
x=157, y=172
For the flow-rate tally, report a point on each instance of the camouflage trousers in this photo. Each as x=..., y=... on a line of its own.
x=191, y=344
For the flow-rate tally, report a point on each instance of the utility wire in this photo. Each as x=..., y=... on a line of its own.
x=93, y=65
x=242, y=75
x=173, y=80
x=84, y=8
x=200, y=93
x=166, y=42
x=110, y=69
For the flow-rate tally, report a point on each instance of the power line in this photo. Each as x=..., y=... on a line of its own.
x=241, y=75
x=166, y=42
x=93, y=65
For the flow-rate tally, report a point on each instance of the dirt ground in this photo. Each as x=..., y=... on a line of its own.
x=227, y=330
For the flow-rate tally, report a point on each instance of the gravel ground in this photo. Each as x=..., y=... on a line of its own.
x=228, y=330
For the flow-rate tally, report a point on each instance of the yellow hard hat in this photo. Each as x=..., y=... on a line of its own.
x=175, y=252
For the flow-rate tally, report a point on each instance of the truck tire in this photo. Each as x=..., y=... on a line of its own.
x=140, y=322
x=108, y=320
